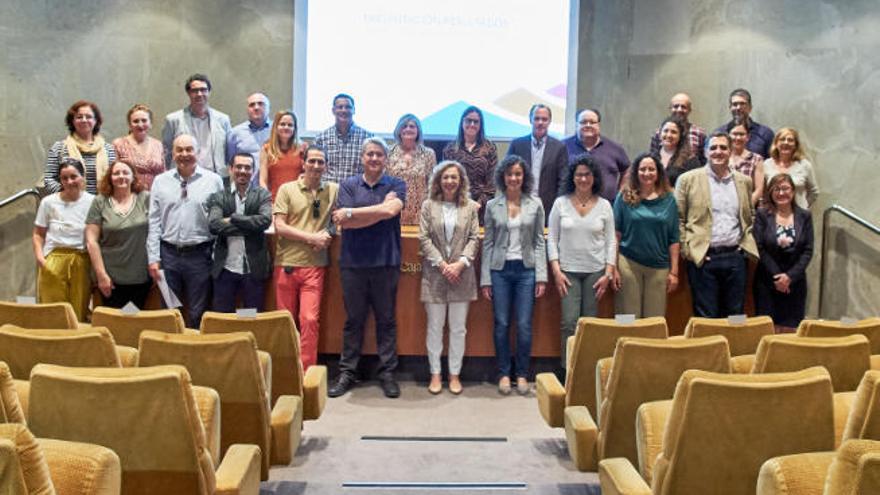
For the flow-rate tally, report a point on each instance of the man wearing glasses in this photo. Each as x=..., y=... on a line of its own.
x=179, y=240
x=239, y=216
x=302, y=226
x=208, y=126
x=715, y=223
x=610, y=156
x=342, y=141
x=760, y=136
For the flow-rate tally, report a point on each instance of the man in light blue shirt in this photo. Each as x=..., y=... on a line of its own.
x=250, y=135
x=179, y=240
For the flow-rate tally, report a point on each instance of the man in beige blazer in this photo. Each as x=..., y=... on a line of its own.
x=715, y=220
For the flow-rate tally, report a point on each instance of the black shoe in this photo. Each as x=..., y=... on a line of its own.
x=343, y=384
x=390, y=387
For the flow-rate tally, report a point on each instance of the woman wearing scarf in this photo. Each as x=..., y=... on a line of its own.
x=83, y=143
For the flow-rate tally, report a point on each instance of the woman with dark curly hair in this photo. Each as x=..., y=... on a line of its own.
x=646, y=220
x=581, y=245
x=676, y=155
x=513, y=269
x=83, y=143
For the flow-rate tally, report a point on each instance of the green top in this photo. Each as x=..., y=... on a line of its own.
x=123, y=238
x=647, y=230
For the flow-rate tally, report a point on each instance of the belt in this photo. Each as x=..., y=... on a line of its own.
x=188, y=248
x=722, y=249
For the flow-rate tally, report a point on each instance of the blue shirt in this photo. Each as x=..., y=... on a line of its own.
x=609, y=156
x=248, y=138
x=379, y=244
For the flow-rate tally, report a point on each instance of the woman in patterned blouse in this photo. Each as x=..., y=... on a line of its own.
x=411, y=161
x=746, y=162
x=146, y=154
x=478, y=155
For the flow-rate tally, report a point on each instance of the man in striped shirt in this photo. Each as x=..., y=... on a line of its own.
x=342, y=141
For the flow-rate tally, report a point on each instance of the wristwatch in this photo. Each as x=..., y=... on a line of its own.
x=348, y=213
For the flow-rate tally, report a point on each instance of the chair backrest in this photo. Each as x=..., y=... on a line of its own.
x=646, y=370
x=743, y=338
x=10, y=406
x=228, y=363
x=595, y=339
x=126, y=329
x=46, y=315
x=869, y=327
x=722, y=427
x=23, y=467
x=863, y=422
x=24, y=348
x=846, y=358
x=276, y=334
x=146, y=415
x=855, y=469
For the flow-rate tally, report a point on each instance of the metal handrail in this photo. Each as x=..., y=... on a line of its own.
x=20, y=194
x=852, y=216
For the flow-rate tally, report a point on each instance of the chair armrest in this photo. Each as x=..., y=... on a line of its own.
x=266, y=368
x=676, y=337
x=239, y=473
x=794, y=474
x=742, y=364
x=82, y=468
x=128, y=356
x=287, y=419
x=83, y=326
x=875, y=361
x=650, y=426
x=208, y=403
x=551, y=399
x=618, y=477
x=581, y=434
x=843, y=402
x=603, y=371
x=191, y=331
x=314, y=392
x=569, y=348
x=23, y=389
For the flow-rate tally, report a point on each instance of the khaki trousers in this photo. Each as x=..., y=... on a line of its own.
x=66, y=278
x=642, y=291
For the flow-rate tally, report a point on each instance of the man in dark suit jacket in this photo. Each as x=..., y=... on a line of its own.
x=545, y=154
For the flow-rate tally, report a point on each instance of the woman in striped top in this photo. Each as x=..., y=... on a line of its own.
x=84, y=143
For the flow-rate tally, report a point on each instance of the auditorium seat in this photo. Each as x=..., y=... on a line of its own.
x=719, y=429
x=126, y=328
x=228, y=363
x=276, y=334
x=642, y=370
x=11, y=409
x=801, y=474
x=869, y=327
x=149, y=417
x=594, y=339
x=47, y=315
x=743, y=338
x=846, y=358
x=31, y=465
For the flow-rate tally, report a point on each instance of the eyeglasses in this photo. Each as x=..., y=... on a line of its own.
x=588, y=122
x=471, y=121
x=182, y=188
x=722, y=147
x=316, y=208
x=199, y=90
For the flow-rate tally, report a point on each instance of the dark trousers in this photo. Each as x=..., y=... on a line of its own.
x=718, y=287
x=123, y=293
x=230, y=285
x=363, y=289
x=188, y=274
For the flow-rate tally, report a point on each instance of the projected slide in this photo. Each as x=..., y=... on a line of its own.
x=434, y=59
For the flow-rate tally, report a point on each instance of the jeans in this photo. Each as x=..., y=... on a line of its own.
x=229, y=285
x=513, y=288
x=719, y=286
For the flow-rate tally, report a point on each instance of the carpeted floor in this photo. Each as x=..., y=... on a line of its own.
x=501, y=441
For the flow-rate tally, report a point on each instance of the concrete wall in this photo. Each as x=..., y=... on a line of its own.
x=811, y=64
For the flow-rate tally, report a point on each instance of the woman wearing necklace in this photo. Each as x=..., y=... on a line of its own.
x=58, y=240
x=476, y=154
x=513, y=269
x=581, y=245
x=84, y=143
x=787, y=157
x=116, y=236
x=646, y=220
x=411, y=161
x=143, y=152
x=676, y=154
x=281, y=159
x=784, y=233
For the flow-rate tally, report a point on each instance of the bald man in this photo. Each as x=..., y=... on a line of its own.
x=250, y=135
x=179, y=239
x=680, y=105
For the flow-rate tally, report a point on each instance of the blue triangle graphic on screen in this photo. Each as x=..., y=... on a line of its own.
x=445, y=122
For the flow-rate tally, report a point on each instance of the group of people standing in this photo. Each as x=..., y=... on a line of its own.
x=614, y=225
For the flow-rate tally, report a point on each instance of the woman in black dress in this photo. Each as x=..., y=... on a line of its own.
x=784, y=233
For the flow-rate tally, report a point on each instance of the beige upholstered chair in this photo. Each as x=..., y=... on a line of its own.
x=742, y=338
x=276, y=334
x=11, y=410
x=642, y=370
x=228, y=363
x=801, y=474
x=23, y=348
x=149, y=417
x=719, y=429
x=126, y=329
x=869, y=327
x=846, y=358
x=594, y=339
x=44, y=466
x=47, y=315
